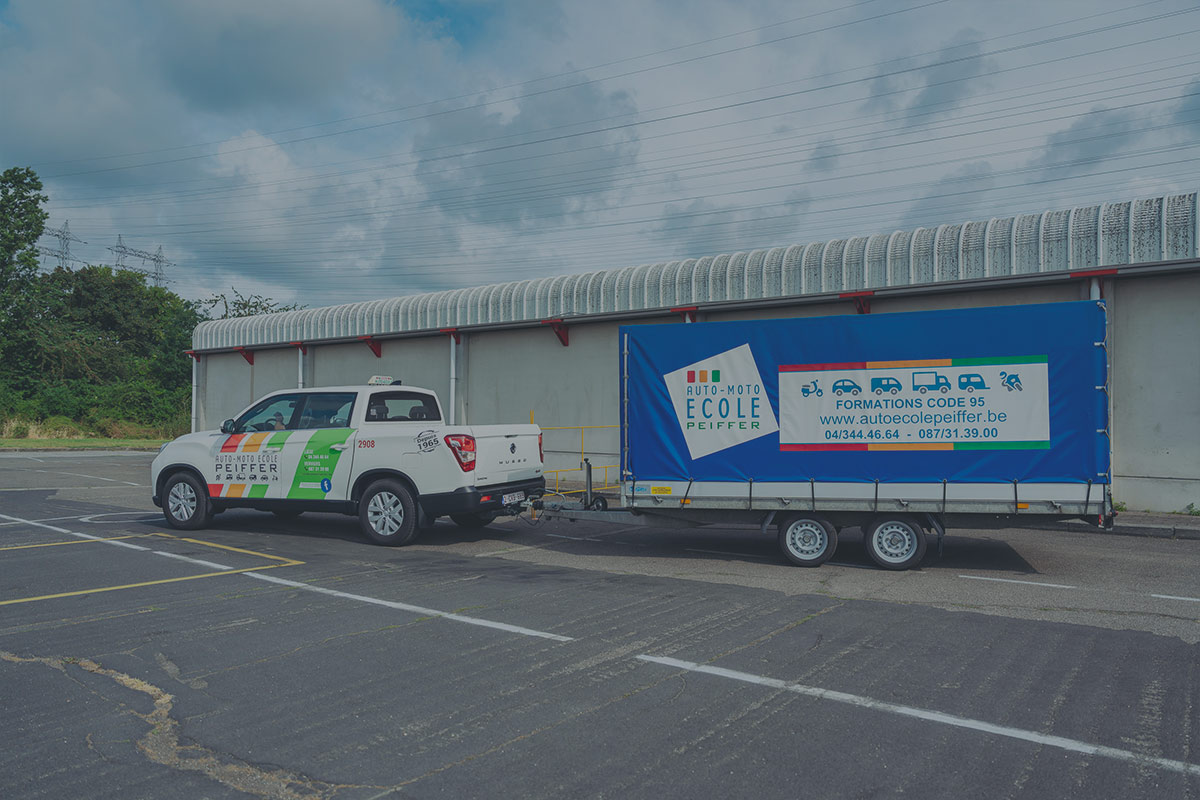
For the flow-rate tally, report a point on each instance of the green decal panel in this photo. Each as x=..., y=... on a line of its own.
x=258, y=490
x=317, y=463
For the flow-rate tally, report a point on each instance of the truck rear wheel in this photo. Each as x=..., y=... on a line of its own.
x=387, y=514
x=807, y=541
x=185, y=502
x=895, y=542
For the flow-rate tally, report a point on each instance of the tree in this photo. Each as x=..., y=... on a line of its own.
x=22, y=220
x=243, y=305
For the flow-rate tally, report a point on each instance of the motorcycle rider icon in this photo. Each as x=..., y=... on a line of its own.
x=1011, y=381
x=811, y=388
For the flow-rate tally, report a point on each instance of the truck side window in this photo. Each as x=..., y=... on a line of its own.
x=273, y=414
x=327, y=410
x=402, y=407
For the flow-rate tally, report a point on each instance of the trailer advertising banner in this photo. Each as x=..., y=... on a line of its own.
x=977, y=395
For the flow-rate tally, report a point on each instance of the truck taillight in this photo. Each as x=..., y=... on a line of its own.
x=463, y=447
x=541, y=455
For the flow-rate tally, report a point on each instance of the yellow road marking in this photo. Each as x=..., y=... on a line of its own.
x=73, y=541
x=136, y=585
x=284, y=562
x=231, y=548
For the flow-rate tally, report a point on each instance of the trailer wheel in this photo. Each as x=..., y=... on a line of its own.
x=895, y=542
x=807, y=541
x=387, y=514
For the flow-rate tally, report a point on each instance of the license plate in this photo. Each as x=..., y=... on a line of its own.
x=512, y=497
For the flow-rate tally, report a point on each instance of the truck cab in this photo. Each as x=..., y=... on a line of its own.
x=382, y=452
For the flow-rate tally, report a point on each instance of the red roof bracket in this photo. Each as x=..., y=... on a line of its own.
x=246, y=354
x=560, y=330
x=375, y=345
x=688, y=312
x=1094, y=273
x=862, y=300
x=301, y=346
x=452, y=332
x=193, y=354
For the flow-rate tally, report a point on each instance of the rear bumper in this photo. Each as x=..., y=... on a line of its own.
x=471, y=499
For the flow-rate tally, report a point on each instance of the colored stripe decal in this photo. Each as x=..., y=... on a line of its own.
x=928, y=362
x=983, y=362
x=231, y=444
x=214, y=489
x=919, y=446
x=258, y=490
x=1002, y=446
x=811, y=367
x=236, y=490
x=279, y=438
x=253, y=442
x=793, y=447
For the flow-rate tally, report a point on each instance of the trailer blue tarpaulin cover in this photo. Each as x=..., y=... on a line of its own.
x=973, y=395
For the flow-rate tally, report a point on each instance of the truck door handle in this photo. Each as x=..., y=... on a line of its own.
x=339, y=447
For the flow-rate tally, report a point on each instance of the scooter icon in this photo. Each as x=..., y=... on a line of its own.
x=811, y=388
x=1011, y=382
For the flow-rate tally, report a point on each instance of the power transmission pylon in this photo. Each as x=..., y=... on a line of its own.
x=63, y=251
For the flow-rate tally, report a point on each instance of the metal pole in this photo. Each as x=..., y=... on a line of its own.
x=299, y=368
x=453, y=378
x=195, y=391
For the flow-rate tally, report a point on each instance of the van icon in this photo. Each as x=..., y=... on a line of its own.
x=924, y=381
x=971, y=381
x=889, y=385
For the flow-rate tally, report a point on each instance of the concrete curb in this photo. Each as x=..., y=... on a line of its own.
x=1133, y=528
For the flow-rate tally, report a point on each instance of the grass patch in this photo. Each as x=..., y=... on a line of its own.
x=90, y=443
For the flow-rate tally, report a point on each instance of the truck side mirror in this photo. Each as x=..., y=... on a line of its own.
x=227, y=426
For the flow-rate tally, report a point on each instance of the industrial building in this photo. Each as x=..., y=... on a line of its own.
x=549, y=347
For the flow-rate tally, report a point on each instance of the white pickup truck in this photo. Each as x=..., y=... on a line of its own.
x=381, y=452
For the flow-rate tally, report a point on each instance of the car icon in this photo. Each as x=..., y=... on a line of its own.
x=846, y=385
x=889, y=385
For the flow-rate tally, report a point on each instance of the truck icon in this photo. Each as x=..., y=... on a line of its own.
x=889, y=385
x=924, y=381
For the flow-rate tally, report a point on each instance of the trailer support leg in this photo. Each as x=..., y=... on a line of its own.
x=939, y=529
x=766, y=522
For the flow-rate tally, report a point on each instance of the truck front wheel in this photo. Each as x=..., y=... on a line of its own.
x=185, y=502
x=895, y=542
x=807, y=541
x=387, y=514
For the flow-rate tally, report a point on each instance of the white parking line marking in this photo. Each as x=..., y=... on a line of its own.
x=1061, y=742
x=1175, y=597
x=1010, y=580
x=191, y=560
x=81, y=475
x=429, y=612
x=73, y=533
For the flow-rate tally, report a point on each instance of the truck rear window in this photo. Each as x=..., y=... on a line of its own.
x=402, y=407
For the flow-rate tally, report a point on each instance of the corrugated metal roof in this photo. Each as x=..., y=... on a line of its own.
x=1138, y=231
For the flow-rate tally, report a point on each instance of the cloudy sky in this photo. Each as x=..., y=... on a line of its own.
x=324, y=151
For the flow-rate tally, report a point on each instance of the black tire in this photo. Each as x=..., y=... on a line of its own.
x=478, y=519
x=286, y=513
x=387, y=514
x=598, y=504
x=895, y=390
x=854, y=392
x=807, y=541
x=895, y=542
x=879, y=391
x=185, y=503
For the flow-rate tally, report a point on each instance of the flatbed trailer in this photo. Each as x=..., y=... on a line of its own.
x=900, y=424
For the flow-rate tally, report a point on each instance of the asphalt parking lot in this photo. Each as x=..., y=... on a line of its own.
x=282, y=659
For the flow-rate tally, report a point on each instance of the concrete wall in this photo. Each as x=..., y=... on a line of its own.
x=503, y=375
x=1154, y=332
